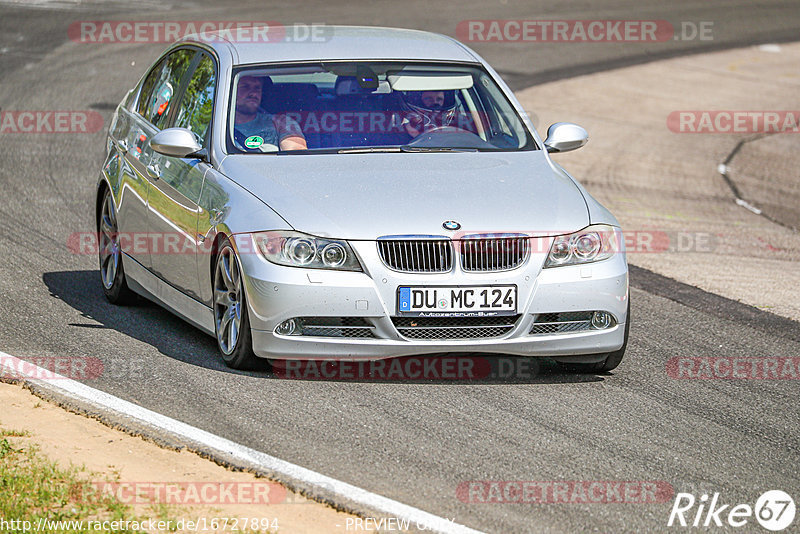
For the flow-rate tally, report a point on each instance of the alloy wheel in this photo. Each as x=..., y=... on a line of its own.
x=227, y=300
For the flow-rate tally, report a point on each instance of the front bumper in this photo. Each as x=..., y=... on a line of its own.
x=276, y=293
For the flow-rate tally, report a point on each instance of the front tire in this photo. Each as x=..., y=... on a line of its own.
x=231, y=320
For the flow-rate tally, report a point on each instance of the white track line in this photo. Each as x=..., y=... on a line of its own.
x=98, y=399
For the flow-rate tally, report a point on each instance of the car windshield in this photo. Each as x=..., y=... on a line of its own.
x=354, y=107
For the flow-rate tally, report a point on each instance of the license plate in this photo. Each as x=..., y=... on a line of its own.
x=467, y=301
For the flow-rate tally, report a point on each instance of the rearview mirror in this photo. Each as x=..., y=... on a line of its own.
x=419, y=81
x=565, y=136
x=175, y=142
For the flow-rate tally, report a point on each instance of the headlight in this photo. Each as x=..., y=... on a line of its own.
x=299, y=250
x=593, y=243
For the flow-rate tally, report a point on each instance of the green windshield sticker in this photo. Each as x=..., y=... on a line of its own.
x=254, y=141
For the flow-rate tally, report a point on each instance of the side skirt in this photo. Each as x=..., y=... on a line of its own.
x=151, y=287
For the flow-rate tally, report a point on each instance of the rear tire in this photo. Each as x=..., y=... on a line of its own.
x=231, y=320
x=112, y=274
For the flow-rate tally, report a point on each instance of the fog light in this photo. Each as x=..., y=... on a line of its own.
x=601, y=320
x=286, y=328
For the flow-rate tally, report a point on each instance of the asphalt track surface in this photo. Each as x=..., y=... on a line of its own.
x=412, y=441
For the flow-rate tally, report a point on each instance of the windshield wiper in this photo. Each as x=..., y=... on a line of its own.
x=407, y=148
x=366, y=150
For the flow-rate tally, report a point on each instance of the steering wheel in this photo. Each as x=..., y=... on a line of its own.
x=449, y=136
x=437, y=130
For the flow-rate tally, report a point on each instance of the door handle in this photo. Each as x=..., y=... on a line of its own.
x=154, y=171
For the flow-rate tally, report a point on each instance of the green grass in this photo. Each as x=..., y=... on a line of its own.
x=14, y=433
x=32, y=487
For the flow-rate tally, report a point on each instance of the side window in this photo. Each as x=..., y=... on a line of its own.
x=196, y=106
x=147, y=89
x=154, y=101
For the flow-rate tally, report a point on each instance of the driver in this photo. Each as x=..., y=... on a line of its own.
x=252, y=121
x=426, y=110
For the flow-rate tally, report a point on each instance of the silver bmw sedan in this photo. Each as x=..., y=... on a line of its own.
x=374, y=194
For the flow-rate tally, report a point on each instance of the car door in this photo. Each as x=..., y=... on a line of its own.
x=176, y=183
x=133, y=128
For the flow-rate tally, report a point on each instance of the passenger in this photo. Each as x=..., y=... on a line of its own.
x=251, y=120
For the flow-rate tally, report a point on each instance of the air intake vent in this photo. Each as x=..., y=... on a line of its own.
x=417, y=255
x=559, y=323
x=354, y=327
x=494, y=253
x=433, y=328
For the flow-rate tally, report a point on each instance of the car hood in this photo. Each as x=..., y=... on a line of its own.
x=365, y=196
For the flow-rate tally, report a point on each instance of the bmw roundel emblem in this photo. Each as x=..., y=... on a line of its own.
x=451, y=225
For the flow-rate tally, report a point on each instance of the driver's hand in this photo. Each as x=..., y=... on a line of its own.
x=411, y=130
x=414, y=124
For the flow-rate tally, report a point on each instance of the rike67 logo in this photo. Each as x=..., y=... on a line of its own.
x=774, y=510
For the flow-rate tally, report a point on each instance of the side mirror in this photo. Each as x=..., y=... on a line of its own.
x=565, y=136
x=176, y=142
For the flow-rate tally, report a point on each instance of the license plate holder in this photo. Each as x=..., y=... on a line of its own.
x=457, y=301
